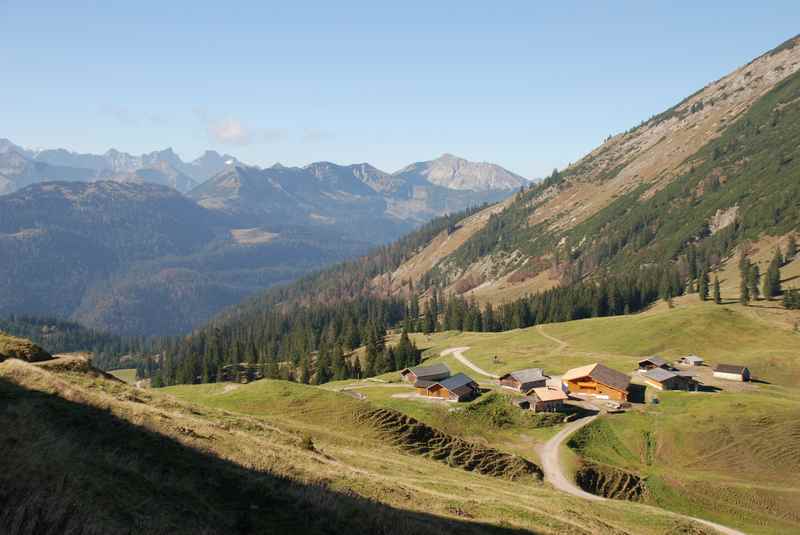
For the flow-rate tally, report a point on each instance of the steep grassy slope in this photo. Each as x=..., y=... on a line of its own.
x=731, y=457
x=724, y=158
x=93, y=456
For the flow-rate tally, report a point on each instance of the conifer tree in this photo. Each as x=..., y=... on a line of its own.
x=753, y=280
x=772, y=279
x=717, y=293
x=703, y=286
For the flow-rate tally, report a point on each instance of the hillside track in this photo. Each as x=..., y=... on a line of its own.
x=554, y=473
x=458, y=354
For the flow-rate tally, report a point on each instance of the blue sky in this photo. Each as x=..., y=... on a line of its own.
x=524, y=84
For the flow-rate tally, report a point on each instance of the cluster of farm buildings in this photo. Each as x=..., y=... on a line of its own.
x=594, y=380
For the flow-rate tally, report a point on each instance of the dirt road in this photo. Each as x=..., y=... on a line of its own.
x=554, y=473
x=458, y=354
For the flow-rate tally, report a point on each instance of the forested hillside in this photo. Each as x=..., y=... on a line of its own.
x=141, y=258
x=650, y=214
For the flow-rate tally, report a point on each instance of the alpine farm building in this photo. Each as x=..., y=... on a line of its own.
x=732, y=372
x=524, y=380
x=597, y=380
x=434, y=372
x=459, y=387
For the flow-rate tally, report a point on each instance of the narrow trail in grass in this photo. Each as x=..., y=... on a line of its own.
x=554, y=473
x=561, y=343
x=458, y=354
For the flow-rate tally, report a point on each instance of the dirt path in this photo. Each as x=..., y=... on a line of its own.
x=554, y=473
x=561, y=343
x=458, y=354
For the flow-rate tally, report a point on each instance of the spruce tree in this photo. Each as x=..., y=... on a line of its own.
x=744, y=289
x=703, y=286
x=753, y=280
x=717, y=294
x=772, y=280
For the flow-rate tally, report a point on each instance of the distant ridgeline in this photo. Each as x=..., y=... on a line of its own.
x=109, y=351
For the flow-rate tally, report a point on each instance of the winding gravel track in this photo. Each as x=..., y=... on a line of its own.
x=554, y=473
x=458, y=354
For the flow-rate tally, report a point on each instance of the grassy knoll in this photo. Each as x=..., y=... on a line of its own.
x=127, y=374
x=102, y=457
x=729, y=457
x=359, y=461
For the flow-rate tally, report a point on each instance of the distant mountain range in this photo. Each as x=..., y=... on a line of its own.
x=150, y=244
x=20, y=167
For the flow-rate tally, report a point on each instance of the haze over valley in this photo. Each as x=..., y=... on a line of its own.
x=587, y=323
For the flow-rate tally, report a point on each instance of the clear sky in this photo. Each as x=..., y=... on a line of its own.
x=529, y=85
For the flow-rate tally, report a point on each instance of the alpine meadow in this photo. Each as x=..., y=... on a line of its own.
x=527, y=338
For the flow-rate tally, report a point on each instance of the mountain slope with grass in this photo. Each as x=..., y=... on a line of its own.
x=100, y=456
x=717, y=169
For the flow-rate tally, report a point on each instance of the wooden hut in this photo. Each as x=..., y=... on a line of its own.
x=597, y=380
x=524, y=380
x=459, y=387
x=547, y=399
x=732, y=372
x=666, y=380
x=653, y=362
x=691, y=360
x=434, y=372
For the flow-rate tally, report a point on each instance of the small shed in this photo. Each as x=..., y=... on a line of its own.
x=691, y=360
x=434, y=372
x=662, y=379
x=524, y=380
x=732, y=372
x=459, y=387
x=653, y=362
x=547, y=399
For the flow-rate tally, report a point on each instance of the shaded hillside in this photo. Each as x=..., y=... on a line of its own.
x=140, y=258
x=180, y=467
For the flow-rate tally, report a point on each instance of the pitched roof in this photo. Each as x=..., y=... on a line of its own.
x=659, y=374
x=692, y=358
x=655, y=360
x=601, y=374
x=730, y=368
x=456, y=381
x=422, y=383
x=427, y=371
x=549, y=393
x=527, y=375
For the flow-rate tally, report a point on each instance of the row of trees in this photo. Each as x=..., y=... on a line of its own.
x=609, y=296
x=753, y=285
x=306, y=343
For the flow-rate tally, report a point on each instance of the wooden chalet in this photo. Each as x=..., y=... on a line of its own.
x=524, y=380
x=732, y=372
x=662, y=379
x=691, y=360
x=459, y=387
x=434, y=372
x=651, y=363
x=597, y=380
x=547, y=399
